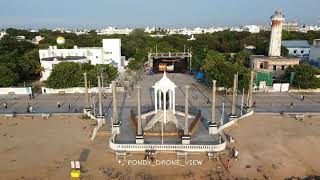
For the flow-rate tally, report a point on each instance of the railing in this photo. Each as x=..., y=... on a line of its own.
x=146, y=109
x=166, y=147
x=173, y=54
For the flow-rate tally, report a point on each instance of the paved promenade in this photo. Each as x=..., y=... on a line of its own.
x=199, y=95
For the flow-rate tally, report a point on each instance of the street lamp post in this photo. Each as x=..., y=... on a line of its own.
x=242, y=99
x=86, y=96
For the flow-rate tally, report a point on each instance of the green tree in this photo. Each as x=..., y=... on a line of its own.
x=304, y=76
x=70, y=74
x=7, y=76
x=216, y=67
x=242, y=58
x=108, y=72
x=30, y=65
x=65, y=75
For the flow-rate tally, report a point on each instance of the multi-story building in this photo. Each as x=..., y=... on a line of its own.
x=297, y=48
x=314, y=57
x=252, y=29
x=291, y=26
x=274, y=64
x=113, y=30
x=109, y=53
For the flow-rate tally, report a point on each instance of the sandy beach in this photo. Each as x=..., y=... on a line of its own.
x=270, y=146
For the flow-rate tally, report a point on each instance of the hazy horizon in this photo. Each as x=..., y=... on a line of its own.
x=138, y=14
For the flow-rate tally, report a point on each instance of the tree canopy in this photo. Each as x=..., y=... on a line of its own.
x=21, y=57
x=304, y=76
x=70, y=74
x=217, y=68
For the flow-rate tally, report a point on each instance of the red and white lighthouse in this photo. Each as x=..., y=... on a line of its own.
x=276, y=34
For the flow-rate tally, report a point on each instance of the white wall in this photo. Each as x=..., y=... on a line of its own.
x=112, y=50
x=300, y=52
x=26, y=90
x=93, y=54
x=80, y=90
x=280, y=87
x=314, y=53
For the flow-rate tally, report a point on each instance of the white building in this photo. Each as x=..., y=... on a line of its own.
x=149, y=30
x=298, y=48
x=113, y=30
x=315, y=52
x=20, y=38
x=37, y=39
x=2, y=34
x=236, y=29
x=109, y=53
x=306, y=28
x=252, y=28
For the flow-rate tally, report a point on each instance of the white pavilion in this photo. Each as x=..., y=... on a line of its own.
x=164, y=112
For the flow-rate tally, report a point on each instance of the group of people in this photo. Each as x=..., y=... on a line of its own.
x=234, y=155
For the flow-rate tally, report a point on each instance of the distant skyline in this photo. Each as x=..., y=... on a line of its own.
x=142, y=13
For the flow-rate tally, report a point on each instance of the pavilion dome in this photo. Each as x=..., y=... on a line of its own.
x=164, y=84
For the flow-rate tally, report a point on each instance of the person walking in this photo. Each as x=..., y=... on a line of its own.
x=5, y=105
x=291, y=105
x=28, y=108
x=235, y=154
x=58, y=104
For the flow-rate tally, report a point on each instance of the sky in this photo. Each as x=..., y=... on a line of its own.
x=158, y=13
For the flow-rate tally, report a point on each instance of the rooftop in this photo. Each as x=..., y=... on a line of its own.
x=295, y=44
x=67, y=58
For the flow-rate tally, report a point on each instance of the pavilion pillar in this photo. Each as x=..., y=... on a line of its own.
x=101, y=116
x=160, y=103
x=186, y=136
x=222, y=116
x=213, y=126
x=174, y=101
x=164, y=107
x=139, y=136
x=86, y=94
x=115, y=124
x=170, y=99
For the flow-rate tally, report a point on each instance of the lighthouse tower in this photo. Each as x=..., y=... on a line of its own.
x=276, y=33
